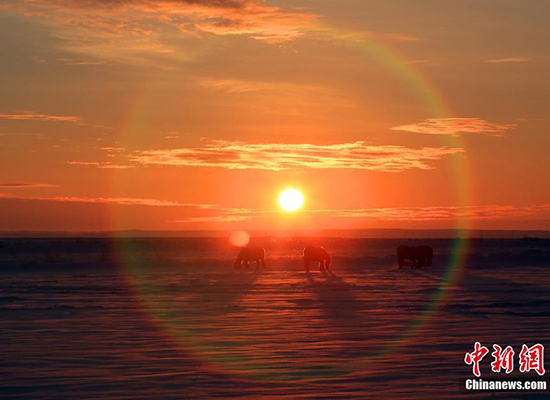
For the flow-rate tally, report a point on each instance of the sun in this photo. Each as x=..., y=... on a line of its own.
x=291, y=200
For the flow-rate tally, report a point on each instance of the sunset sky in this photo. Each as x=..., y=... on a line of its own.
x=196, y=114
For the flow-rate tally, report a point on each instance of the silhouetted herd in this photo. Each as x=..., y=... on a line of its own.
x=417, y=256
x=413, y=256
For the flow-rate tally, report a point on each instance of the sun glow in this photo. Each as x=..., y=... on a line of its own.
x=291, y=200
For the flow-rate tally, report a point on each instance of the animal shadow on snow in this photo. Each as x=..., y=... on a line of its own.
x=335, y=295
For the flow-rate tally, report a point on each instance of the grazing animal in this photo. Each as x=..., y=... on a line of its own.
x=316, y=253
x=424, y=256
x=419, y=256
x=250, y=254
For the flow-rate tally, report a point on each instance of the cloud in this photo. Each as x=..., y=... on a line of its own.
x=418, y=214
x=382, y=36
x=138, y=31
x=128, y=201
x=277, y=157
x=24, y=185
x=218, y=218
x=219, y=213
x=70, y=61
x=291, y=99
x=145, y=18
x=455, y=126
x=248, y=86
x=32, y=116
x=223, y=214
x=510, y=60
x=227, y=214
x=100, y=164
x=439, y=213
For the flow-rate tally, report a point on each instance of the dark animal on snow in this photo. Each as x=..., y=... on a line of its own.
x=250, y=254
x=418, y=256
x=319, y=254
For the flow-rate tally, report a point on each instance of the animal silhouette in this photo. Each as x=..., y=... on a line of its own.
x=424, y=256
x=419, y=256
x=250, y=254
x=319, y=254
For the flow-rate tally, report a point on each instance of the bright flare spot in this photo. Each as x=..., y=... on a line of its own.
x=239, y=238
x=291, y=200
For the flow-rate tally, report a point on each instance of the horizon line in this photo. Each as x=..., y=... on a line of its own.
x=383, y=233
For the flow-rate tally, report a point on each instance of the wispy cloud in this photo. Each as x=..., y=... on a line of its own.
x=282, y=97
x=145, y=18
x=455, y=126
x=100, y=164
x=144, y=30
x=128, y=201
x=278, y=156
x=219, y=213
x=222, y=213
x=247, y=86
x=33, y=116
x=382, y=36
x=441, y=213
x=24, y=185
x=72, y=61
x=510, y=60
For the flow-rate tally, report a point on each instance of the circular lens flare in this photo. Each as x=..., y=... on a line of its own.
x=291, y=200
x=434, y=106
x=239, y=238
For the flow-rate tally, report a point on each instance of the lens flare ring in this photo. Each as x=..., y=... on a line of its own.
x=426, y=93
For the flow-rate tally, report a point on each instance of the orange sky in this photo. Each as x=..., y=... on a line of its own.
x=196, y=114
